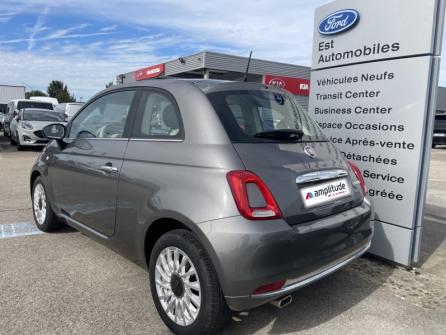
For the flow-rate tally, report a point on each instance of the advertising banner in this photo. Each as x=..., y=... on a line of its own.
x=149, y=72
x=373, y=89
x=298, y=86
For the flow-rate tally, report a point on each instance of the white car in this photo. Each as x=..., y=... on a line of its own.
x=27, y=124
x=50, y=100
x=69, y=109
x=16, y=105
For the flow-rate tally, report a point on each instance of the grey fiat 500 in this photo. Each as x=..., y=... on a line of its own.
x=227, y=192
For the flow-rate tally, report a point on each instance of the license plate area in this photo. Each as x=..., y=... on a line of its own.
x=323, y=193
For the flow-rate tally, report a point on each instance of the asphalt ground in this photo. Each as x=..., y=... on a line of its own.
x=65, y=283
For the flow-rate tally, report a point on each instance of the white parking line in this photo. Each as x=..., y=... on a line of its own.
x=18, y=229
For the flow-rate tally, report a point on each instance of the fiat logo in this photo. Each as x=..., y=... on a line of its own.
x=309, y=151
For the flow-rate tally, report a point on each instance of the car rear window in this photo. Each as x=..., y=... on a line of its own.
x=34, y=104
x=245, y=113
x=42, y=116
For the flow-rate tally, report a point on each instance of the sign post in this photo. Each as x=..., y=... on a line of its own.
x=373, y=89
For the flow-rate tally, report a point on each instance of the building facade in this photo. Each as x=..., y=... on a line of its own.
x=213, y=65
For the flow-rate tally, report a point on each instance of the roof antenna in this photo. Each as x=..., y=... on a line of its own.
x=247, y=67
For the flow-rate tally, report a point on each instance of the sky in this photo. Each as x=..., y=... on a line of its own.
x=86, y=43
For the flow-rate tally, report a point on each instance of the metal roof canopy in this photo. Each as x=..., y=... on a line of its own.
x=214, y=65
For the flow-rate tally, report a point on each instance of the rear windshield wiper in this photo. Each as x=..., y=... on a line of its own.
x=281, y=134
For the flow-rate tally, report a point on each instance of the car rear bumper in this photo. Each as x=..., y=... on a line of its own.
x=250, y=254
x=439, y=137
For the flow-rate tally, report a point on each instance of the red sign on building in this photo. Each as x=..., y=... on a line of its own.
x=297, y=86
x=149, y=72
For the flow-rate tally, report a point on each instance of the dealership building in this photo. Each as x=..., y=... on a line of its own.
x=213, y=65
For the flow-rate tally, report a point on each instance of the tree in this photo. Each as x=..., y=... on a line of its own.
x=35, y=93
x=57, y=89
x=54, y=88
x=109, y=84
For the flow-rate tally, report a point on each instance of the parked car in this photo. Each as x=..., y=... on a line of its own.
x=69, y=109
x=439, y=130
x=27, y=124
x=16, y=105
x=226, y=211
x=3, y=109
x=8, y=93
x=51, y=100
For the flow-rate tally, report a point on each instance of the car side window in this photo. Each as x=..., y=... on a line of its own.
x=158, y=117
x=103, y=118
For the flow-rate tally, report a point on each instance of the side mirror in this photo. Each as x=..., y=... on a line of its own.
x=55, y=131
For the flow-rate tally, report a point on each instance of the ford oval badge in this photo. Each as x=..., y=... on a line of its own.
x=338, y=22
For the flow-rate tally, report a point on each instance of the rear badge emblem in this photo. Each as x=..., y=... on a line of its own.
x=309, y=151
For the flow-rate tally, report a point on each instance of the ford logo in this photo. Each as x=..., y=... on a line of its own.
x=338, y=22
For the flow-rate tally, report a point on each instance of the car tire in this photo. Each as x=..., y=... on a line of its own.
x=212, y=312
x=11, y=141
x=19, y=146
x=433, y=146
x=44, y=216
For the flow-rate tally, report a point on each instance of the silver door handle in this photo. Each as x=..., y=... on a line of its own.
x=107, y=168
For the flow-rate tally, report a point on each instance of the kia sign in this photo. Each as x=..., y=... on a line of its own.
x=149, y=72
x=338, y=22
x=296, y=86
x=373, y=93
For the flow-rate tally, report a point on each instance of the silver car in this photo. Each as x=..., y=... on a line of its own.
x=26, y=126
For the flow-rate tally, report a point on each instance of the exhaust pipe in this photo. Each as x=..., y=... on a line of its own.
x=282, y=302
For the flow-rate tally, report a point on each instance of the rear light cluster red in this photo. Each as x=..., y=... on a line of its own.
x=359, y=176
x=238, y=181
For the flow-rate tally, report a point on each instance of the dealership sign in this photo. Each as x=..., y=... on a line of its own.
x=373, y=93
x=338, y=22
x=149, y=72
x=297, y=86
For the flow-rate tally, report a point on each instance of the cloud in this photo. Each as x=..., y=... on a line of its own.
x=56, y=35
x=109, y=28
x=83, y=75
x=5, y=17
x=63, y=32
x=37, y=28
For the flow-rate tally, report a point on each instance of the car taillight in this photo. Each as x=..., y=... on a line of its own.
x=238, y=181
x=359, y=176
x=270, y=287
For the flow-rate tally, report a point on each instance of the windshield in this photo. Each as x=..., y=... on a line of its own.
x=42, y=116
x=34, y=104
x=248, y=113
x=3, y=108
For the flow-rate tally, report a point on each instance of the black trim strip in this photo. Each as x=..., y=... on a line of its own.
x=393, y=224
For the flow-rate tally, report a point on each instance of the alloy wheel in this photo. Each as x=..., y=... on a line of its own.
x=39, y=204
x=178, y=286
